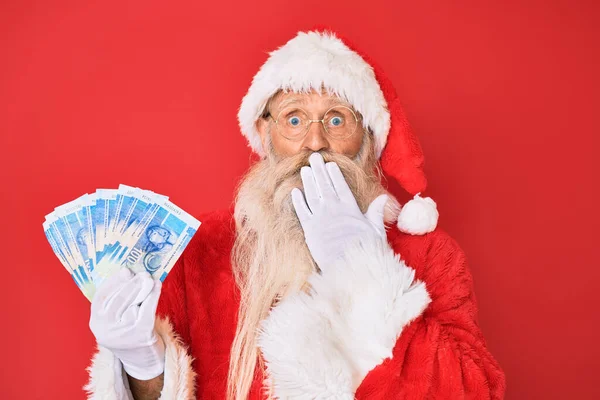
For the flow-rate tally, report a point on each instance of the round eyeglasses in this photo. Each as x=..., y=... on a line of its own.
x=339, y=122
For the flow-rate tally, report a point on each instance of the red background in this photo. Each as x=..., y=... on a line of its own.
x=504, y=97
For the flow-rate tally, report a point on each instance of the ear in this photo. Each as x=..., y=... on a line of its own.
x=261, y=127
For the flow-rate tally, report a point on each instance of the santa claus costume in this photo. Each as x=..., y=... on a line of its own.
x=410, y=328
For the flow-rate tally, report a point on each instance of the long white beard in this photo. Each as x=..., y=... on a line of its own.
x=270, y=258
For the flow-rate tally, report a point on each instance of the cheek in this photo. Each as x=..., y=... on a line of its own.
x=349, y=147
x=285, y=147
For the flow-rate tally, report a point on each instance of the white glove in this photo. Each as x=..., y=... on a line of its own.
x=122, y=319
x=332, y=219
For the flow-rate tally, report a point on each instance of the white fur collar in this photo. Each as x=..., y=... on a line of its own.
x=322, y=345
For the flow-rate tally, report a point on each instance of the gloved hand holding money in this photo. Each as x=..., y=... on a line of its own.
x=122, y=320
x=97, y=234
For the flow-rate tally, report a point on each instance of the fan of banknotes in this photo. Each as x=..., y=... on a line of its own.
x=97, y=234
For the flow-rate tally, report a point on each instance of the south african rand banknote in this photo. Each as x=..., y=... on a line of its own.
x=97, y=234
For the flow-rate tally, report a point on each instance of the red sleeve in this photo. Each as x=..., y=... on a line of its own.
x=172, y=303
x=442, y=354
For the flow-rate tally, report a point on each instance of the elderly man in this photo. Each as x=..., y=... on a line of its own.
x=317, y=285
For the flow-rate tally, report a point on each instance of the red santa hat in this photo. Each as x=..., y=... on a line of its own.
x=321, y=58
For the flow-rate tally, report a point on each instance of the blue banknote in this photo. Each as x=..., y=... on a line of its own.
x=95, y=235
x=141, y=211
x=135, y=205
x=103, y=212
x=75, y=226
x=131, y=205
x=125, y=196
x=65, y=254
x=161, y=240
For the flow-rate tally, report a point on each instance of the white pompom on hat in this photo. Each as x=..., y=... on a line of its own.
x=322, y=59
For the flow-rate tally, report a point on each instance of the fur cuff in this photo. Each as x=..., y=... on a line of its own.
x=109, y=381
x=323, y=344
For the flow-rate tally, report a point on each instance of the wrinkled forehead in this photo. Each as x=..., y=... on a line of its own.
x=312, y=100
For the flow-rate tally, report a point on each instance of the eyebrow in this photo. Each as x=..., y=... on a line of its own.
x=291, y=100
x=302, y=100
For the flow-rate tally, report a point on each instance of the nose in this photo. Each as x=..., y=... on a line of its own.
x=315, y=139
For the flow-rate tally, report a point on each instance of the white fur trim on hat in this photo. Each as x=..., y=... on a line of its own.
x=418, y=216
x=313, y=60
